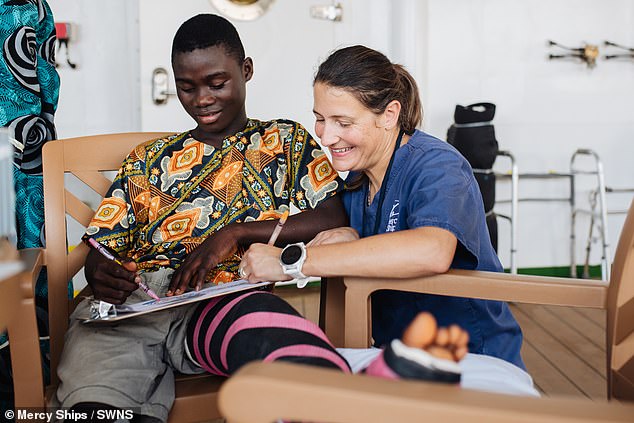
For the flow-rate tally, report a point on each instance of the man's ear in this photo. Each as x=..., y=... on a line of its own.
x=389, y=118
x=247, y=69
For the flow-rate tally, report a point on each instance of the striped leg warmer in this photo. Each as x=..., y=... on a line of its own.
x=230, y=331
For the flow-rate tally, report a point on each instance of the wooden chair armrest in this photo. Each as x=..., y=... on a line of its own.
x=496, y=286
x=472, y=284
x=293, y=392
x=33, y=260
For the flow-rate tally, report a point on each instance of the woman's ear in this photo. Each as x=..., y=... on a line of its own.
x=389, y=118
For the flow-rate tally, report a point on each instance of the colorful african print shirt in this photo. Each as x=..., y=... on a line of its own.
x=171, y=194
x=29, y=83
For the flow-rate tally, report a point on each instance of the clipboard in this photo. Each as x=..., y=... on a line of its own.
x=127, y=311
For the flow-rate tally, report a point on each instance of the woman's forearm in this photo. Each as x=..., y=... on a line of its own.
x=403, y=254
x=299, y=227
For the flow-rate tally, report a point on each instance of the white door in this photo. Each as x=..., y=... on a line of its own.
x=286, y=45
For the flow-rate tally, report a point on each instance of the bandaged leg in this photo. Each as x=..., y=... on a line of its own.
x=418, y=356
x=230, y=331
x=426, y=352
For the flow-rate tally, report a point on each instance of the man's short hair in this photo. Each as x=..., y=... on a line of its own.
x=207, y=30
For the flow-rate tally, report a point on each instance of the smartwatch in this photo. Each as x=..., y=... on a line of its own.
x=292, y=260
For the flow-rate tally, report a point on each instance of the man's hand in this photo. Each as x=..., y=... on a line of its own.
x=261, y=262
x=199, y=262
x=224, y=243
x=109, y=281
x=334, y=236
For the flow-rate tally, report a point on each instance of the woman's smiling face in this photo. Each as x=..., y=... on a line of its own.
x=347, y=128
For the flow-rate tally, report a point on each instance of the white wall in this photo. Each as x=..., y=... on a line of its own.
x=460, y=51
x=102, y=94
x=286, y=46
x=281, y=49
x=495, y=50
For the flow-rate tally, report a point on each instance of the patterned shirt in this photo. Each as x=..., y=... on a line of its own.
x=172, y=193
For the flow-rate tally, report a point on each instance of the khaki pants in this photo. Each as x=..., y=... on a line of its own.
x=129, y=364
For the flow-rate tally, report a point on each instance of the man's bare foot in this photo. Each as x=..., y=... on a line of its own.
x=426, y=352
x=448, y=343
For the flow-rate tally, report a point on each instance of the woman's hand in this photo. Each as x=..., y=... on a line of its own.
x=261, y=262
x=334, y=236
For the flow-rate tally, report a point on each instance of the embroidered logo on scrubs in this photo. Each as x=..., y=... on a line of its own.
x=393, y=219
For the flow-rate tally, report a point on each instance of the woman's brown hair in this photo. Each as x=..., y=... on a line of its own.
x=375, y=81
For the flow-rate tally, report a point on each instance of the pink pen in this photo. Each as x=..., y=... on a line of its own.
x=278, y=228
x=104, y=252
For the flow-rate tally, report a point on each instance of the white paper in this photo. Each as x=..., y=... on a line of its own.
x=129, y=310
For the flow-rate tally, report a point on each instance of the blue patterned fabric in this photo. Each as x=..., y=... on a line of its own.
x=29, y=200
x=29, y=90
x=29, y=84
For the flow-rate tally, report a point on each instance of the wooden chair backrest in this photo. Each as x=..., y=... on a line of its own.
x=86, y=158
x=620, y=316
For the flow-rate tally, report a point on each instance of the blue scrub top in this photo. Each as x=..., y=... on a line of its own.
x=431, y=184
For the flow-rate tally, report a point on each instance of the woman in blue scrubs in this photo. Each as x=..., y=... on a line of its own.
x=415, y=208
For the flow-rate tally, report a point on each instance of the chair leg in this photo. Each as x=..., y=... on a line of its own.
x=357, y=333
x=26, y=358
x=332, y=309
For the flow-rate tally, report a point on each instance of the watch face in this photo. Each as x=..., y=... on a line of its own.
x=291, y=254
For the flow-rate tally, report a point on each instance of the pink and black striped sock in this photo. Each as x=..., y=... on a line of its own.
x=228, y=332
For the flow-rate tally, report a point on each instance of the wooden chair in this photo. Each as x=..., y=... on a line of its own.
x=22, y=329
x=17, y=315
x=10, y=297
x=292, y=392
x=85, y=158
